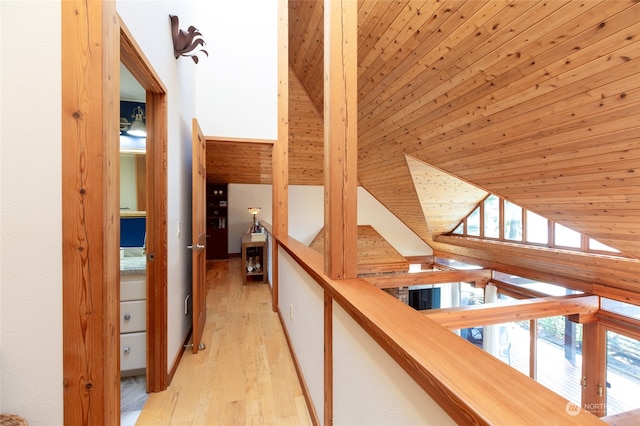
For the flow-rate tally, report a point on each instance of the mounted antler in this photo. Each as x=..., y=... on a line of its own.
x=185, y=43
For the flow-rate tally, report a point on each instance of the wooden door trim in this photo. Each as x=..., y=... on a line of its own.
x=133, y=58
x=91, y=212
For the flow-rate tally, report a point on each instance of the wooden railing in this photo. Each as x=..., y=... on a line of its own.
x=472, y=386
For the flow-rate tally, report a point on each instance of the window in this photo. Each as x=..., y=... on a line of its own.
x=512, y=221
x=498, y=219
x=473, y=223
x=594, y=245
x=471, y=296
x=566, y=237
x=623, y=370
x=538, y=286
x=492, y=217
x=620, y=308
x=537, y=229
x=559, y=357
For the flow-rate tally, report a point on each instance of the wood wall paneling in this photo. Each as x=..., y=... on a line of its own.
x=533, y=101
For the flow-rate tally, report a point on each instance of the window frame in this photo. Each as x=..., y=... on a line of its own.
x=551, y=243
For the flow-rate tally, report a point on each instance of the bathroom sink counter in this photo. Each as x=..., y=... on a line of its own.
x=133, y=265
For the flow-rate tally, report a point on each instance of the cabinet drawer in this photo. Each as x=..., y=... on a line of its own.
x=133, y=351
x=133, y=316
x=133, y=286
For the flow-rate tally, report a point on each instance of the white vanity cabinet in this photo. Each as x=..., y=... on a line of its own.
x=133, y=322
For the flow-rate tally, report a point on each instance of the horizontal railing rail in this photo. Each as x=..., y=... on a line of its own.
x=472, y=386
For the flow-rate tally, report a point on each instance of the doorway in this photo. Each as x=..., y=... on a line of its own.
x=90, y=226
x=136, y=63
x=133, y=259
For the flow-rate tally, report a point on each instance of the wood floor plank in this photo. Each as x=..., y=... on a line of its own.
x=245, y=376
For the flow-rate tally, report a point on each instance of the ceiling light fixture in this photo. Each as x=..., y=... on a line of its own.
x=138, y=127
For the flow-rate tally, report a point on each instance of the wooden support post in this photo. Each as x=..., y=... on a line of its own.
x=90, y=217
x=594, y=389
x=280, y=165
x=280, y=170
x=328, y=359
x=533, y=349
x=340, y=138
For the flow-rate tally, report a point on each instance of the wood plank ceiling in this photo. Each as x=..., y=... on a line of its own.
x=535, y=101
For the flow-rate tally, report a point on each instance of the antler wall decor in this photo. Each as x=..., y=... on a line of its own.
x=184, y=43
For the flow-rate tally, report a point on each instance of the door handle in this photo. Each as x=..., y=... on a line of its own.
x=196, y=247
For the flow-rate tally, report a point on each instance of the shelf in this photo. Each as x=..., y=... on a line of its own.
x=254, y=251
x=216, y=217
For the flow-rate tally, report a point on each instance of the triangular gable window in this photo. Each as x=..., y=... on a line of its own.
x=495, y=218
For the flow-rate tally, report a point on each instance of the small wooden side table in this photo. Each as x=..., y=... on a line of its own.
x=254, y=260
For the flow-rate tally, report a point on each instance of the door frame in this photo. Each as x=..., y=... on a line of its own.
x=93, y=41
x=133, y=58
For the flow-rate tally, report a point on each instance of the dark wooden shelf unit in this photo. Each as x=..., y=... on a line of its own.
x=217, y=223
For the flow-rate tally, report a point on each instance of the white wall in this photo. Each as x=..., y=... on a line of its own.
x=370, y=388
x=31, y=297
x=241, y=197
x=31, y=212
x=238, y=84
x=232, y=92
x=371, y=212
x=149, y=24
x=306, y=216
x=301, y=303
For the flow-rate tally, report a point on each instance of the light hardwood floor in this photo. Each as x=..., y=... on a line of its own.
x=245, y=376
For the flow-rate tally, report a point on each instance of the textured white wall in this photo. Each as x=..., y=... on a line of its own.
x=370, y=388
x=301, y=303
x=241, y=197
x=31, y=212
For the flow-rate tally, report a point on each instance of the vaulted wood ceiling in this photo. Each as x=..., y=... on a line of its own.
x=535, y=101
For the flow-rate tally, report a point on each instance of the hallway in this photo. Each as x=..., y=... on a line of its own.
x=245, y=376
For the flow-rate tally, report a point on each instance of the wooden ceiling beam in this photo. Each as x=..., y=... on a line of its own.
x=425, y=278
x=516, y=310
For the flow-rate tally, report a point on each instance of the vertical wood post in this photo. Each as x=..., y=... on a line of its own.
x=280, y=187
x=533, y=349
x=594, y=388
x=340, y=138
x=91, y=214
